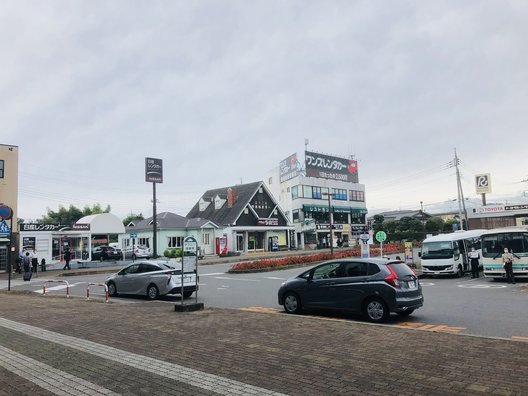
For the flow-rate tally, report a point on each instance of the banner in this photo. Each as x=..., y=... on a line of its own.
x=329, y=167
x=289, y=168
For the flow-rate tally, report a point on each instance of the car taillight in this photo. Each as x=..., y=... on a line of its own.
x=392, y=278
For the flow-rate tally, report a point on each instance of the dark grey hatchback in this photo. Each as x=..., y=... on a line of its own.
x=373, y=287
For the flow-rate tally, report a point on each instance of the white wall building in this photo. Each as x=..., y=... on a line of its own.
x=306, y=194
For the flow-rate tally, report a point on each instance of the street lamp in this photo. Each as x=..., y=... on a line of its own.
x=331, y=223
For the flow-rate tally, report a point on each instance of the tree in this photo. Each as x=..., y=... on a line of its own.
x=132, y=217
x=377, y=225
x=71, y=215
x=434, y=225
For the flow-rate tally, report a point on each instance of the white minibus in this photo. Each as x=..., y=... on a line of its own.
x=447, y=254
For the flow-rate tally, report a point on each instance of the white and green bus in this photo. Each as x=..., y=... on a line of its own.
x=493, y=244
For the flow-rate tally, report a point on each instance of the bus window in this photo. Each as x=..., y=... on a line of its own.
x=437, y=250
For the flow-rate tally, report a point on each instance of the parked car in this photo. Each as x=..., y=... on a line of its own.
x=138, y=251
x=373, y=287
x=152, y=279
x=104, y=252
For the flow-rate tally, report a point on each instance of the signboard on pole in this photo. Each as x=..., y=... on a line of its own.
x=153, y=170
x=483, y=183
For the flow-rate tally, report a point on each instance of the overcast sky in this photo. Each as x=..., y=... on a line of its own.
x=222, y=91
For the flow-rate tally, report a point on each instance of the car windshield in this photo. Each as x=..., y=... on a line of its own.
x=437, y=250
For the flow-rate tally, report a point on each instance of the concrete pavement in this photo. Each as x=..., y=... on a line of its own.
x=54, y=345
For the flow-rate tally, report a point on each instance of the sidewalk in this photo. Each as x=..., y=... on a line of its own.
x=146, y=348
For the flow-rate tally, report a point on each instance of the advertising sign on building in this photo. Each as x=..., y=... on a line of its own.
x=153, y=170
x=483, y=183
x=289, y=168
x=329, y=167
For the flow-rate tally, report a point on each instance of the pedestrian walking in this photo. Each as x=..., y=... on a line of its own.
x=18, y=264
x=26, y=262
x=507, y=260
x=34, y=261
x=474, y=258
x=67, y=258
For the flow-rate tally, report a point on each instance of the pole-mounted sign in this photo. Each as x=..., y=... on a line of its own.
x=154, y=174
x=153, y=170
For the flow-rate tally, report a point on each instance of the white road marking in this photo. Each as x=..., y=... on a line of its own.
x=48, y=377
x=237, y=279
x=274, y=278
x=62, y=286
x=213, y=273
x=482, y=286
x=427, y=283
x=197, y=378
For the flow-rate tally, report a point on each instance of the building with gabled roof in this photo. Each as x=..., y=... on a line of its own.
x=172, y=229
x=248, y=215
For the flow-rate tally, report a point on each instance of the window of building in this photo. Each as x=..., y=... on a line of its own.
x=307, y=191
x=358, y=196
x=144, y=242
x=1, y=169
x=339, y=194
x=294, y=192
x=174, y=242
x=270, y=180
x=295, y=214
x=206, y=238
x=316, y=193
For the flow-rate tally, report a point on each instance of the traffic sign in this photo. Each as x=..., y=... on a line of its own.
x=4, y=228
x=381, y=236
x=133, y=235
x=364, y=237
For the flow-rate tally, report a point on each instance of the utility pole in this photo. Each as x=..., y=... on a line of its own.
x=461, y=201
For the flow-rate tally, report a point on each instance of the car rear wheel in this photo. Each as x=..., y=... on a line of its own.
x=112, y=289
x=376, y=310
x=292, y=303
x=152, y=292
x=405, y=313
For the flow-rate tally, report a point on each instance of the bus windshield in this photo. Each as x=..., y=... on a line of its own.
x=437, y=250
x=493, y=244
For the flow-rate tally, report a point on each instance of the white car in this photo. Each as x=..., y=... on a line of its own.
x=139, y=251
x=152, y=279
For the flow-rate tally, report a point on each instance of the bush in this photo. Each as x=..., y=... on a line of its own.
x=281, y=262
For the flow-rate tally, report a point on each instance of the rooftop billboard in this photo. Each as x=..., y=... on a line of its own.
x=330, y=167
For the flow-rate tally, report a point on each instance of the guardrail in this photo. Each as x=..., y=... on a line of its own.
x=96, y=284
x=56, y=281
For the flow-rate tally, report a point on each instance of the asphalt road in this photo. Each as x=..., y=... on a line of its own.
x=470, y=306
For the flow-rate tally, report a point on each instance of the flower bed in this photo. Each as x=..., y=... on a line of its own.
x=292, y=261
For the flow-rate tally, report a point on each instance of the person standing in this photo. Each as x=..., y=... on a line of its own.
x=26, y=263
x=474, y=258
x=34, y=261
x=67, y=258
x=507, y=260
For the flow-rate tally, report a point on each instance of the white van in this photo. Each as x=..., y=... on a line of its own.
x=447, y=254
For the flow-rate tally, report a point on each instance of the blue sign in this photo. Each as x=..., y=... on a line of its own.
x=4, y=229
x=133, y=235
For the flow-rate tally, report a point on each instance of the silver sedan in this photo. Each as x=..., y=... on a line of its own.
x=152, y=279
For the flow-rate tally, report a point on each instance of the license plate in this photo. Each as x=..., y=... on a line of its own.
x=411, y=284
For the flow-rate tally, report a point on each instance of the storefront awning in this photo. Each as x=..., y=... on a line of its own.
x=335, y=209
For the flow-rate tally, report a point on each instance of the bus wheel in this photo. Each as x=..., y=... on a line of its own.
x=459, y=273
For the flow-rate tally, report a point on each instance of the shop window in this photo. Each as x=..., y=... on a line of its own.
x=295, y=216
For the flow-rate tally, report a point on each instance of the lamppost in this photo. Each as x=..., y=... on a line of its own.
x=331, y=222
